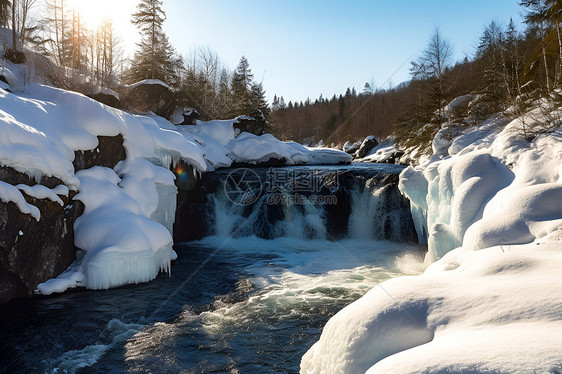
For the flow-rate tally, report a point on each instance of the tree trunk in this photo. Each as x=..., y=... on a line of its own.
x=559, y=50
x=543, y=42
x=14, y=26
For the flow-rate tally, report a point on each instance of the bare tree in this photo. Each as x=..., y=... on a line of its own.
x=537, y=15
x=431, y=66
x=23, y=19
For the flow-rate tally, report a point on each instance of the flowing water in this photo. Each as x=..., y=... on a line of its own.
x=235, y=302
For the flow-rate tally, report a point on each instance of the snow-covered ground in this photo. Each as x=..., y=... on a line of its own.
x=489, y=205
x=125, y=231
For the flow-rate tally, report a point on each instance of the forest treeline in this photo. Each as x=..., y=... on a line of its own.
x=510, y=68
x=90, y=58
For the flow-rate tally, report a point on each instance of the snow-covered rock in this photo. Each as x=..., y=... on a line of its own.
x=384, y=152
x=125, y=231
x=350, y=147
x=366, y=146
x=489, y=300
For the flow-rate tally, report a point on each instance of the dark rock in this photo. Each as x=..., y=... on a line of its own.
x=107, y=99
x=350, y=148
x=191, y=210
x=394, y=158
x=108, y=153
x=17, y=57
x=190, y=116
x=150, y=96
x=368, y=144
x=32, y=252
x=13, y=177
x=4, y=84
x=45, y=248
x=255, y=124
x=269, y=163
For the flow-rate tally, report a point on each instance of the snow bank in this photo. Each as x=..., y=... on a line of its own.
x=123, y=245
x=125, y=232
x=491, y=209
x=473, y=311
x=496, y=188
x=222, y=147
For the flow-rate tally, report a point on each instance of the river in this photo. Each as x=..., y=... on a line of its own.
x=232, y=304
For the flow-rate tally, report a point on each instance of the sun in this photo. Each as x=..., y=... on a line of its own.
x=93, y=13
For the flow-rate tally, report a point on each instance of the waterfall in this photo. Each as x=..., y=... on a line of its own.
x=362, y=205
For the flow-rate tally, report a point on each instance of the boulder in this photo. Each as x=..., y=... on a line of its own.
x=351, y=148
x=255, y=124
x=17, y=57
x=32, y=252
x=150, y=95
x=108, y=97
x=368, y=144
x=185, y=116
x=108, y=153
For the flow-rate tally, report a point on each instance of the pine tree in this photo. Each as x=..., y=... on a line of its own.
x=282, y=104
x=515, y=61
x=223, y=93
x=241, y=85
x=155, y=58
x=258, y=101
x=75, y=44
x=367, y=90
x=492, y=55
x=275, y=103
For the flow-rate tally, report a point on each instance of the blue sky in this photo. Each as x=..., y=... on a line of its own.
x=304, y=48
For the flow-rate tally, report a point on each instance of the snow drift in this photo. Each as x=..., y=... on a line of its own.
x=489, y=205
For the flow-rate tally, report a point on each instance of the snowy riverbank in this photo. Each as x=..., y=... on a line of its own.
x=124, y=235
x=489, y=205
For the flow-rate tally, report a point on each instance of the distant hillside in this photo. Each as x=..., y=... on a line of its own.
x=509, y=69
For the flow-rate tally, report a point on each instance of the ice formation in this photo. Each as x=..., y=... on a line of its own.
x=490, y=206
x=125, y=231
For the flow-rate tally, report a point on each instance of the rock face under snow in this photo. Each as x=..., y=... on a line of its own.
x=33, y=251
x=108, y=97
x=254, y=124
x=108, y=153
